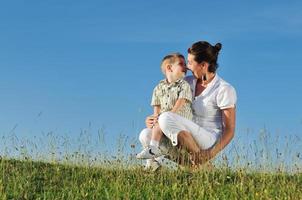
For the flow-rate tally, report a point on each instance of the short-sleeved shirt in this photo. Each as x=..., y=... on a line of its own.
x=166, y=94
x=207, y=107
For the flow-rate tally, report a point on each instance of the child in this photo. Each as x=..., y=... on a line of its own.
x=171, y=94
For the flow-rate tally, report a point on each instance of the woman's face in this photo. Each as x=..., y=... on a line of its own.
x=196, y=68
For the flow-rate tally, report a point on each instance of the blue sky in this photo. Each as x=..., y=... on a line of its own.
x=69, y=65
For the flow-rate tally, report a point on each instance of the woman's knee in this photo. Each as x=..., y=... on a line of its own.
x=182, y=136
x=145, y=137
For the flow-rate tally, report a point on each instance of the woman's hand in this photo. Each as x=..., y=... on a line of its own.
x=207, y=154
x=151, y=120
x=202, y=157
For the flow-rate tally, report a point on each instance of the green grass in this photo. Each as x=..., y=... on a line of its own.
x=38, y=180
x=56, y=167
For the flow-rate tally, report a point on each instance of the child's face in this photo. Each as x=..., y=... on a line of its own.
x=179, y=68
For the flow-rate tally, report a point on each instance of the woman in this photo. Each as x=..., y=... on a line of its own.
x=214, y=103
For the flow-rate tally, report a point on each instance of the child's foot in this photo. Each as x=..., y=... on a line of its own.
x=152, y=165
x=149, y=152
x=167, y=163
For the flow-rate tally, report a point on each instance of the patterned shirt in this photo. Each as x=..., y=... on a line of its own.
x=166, y=94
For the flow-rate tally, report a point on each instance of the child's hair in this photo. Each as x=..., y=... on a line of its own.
x=170, y=59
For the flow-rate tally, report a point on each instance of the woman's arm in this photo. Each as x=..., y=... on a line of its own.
x=229, y=118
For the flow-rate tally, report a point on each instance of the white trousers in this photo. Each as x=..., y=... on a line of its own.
x=171, y=124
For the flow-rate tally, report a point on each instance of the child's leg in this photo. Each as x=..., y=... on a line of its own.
x=156, y=136
x=152, y=151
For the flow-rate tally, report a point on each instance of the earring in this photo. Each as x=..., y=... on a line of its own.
x=204, y=78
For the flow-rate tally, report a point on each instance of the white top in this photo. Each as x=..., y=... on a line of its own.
x=208, y=106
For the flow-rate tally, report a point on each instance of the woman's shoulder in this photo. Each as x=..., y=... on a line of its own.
x=225, y=87
x=224, y=84
x=226, y=94
x=189, y=79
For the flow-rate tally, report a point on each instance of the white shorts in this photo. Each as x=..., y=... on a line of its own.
x=171, y=124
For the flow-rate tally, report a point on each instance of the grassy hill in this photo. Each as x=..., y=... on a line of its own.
x=38, y=180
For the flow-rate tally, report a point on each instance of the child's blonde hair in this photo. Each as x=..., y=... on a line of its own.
x=169, y=60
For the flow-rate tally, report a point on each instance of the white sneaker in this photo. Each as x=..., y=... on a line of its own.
x=152, y=165
x=167, y=163
x=149, y=152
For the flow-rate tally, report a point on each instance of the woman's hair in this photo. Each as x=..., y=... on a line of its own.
x=204, y=51
x=170, y=59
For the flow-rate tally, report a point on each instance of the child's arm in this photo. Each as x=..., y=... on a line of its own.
x=179, y=103
x=156, y=110
x=184, y=96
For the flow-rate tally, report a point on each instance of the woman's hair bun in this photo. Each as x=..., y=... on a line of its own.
x=218, y=47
